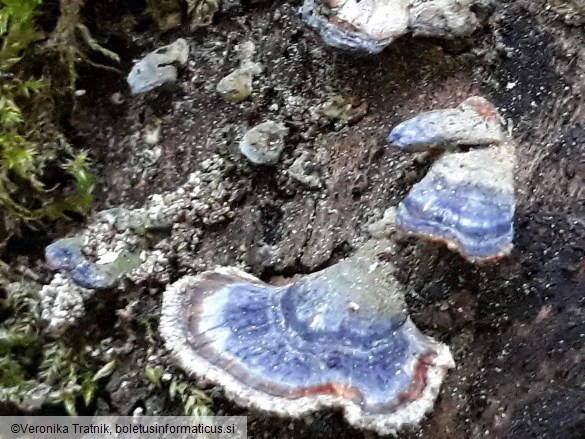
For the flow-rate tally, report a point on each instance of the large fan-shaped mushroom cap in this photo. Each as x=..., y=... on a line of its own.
x=338, y=338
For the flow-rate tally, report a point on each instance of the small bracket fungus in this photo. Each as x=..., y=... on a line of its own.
x=368, y=25
x=66, y=255
x=158, y=67
x=237, y=86
x=339, y=338
x=474, y=122
x=371, y=25
x=467, y=198
x=264, y=143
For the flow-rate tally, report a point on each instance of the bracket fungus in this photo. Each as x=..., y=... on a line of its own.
x=474, y=122
x=237, y=86
x=158, y=67
x=66, y=255
x=264, y=143
x=467, y=198
x=338, y=338
x=372, y=25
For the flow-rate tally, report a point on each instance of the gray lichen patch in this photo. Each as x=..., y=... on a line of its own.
x=347, y=110
x=201, y=12
x=442, y=18
x=305, y=170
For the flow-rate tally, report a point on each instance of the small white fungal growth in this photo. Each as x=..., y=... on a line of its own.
x=62, y=303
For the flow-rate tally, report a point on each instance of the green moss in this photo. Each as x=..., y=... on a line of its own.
x=17, y=29
x=194, y=400
x=30, y=142
x=36, y=371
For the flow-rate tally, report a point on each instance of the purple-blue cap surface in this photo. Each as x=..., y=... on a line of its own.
x=371, y=25
x=474, y=122
x=337, y=338
x=66, y=256
x=466, y=200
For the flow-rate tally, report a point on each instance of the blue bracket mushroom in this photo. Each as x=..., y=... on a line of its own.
x=66, y=255
x=467, y=198
x=372, y=25
x=338, y=338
